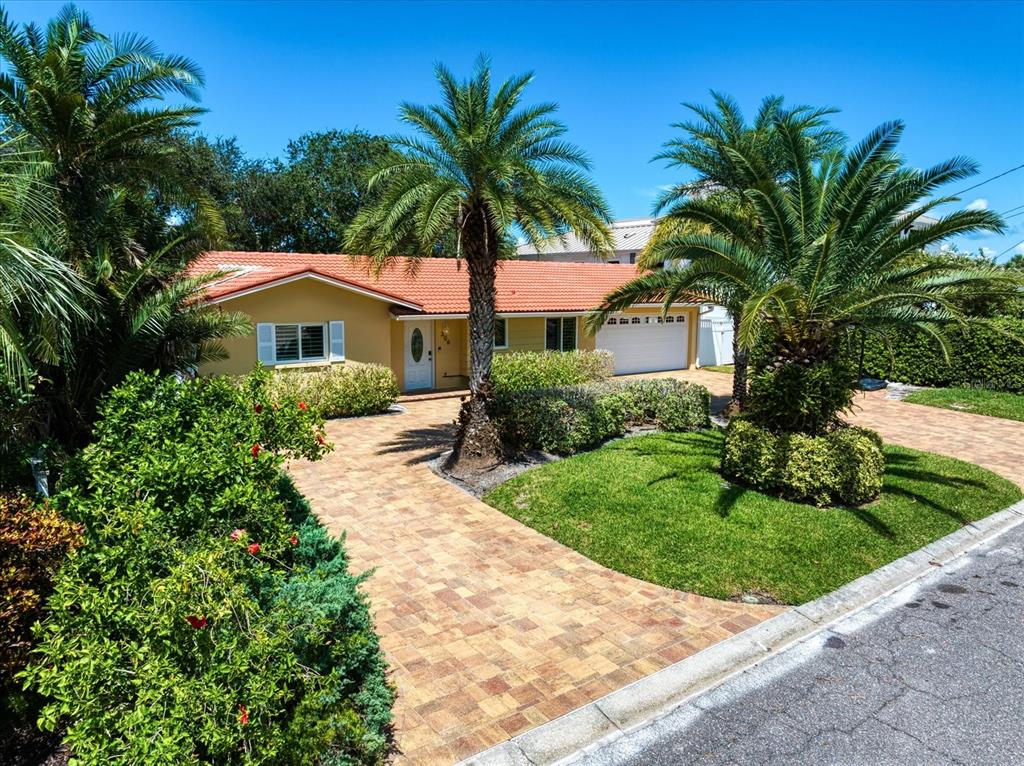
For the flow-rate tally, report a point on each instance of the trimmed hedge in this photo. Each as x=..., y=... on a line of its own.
x=339, y=391
x=519, y=371
x=844, y=466
x=981, y=357
x=208, y=618
x=574, y=418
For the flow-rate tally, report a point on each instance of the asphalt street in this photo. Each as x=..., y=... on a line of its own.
x=931, y=675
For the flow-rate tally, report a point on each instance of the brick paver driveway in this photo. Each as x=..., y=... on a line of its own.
x=490, y=628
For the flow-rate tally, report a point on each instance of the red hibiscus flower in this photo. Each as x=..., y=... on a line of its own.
x=303, y=406
x=243, y=715
x=320, y=439
x=294, y=539
x=258, y=408
x=254, y=548
x=256, y=448
x=238, y=533
x=197, y=622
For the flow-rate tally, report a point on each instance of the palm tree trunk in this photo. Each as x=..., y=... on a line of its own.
x=477, y=445
x=739, y=362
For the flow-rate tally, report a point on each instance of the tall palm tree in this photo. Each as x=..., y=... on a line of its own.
x=84, y=102
x=705, y=148
x=83, y=99
x=826, y=254
x=480, y=168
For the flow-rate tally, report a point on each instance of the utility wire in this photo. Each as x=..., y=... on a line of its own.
x=1011, y=209
x=993, y=178
x=1009, y=249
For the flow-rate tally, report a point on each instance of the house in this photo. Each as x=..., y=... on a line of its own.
x=630, y=237
x=323, y=309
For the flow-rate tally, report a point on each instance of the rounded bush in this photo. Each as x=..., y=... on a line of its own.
x=845, y=466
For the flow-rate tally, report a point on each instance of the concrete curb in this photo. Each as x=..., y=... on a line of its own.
x=651, y=697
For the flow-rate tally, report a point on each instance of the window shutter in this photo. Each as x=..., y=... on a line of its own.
x=337, y=331
x=265, y=343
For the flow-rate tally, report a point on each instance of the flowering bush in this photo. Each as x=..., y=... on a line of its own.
x=208, y=618
x=339, y=391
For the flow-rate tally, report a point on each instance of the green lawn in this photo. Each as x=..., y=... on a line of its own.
x=728, y=368
x=998, y=404
x=655, y=508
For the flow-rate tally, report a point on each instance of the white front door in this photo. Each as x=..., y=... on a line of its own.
x=419, y=355
x=645, y=343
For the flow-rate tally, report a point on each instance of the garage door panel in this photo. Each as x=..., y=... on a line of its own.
x=647, y=345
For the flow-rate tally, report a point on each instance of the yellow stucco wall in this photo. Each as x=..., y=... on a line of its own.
x=367, y=322
x=373, y=335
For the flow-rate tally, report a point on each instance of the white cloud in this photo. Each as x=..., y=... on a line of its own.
x=1019, y=248
x=979, y=204
x=987, y=252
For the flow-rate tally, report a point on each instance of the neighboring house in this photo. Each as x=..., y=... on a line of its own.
x=311, y=310
x=630, y=237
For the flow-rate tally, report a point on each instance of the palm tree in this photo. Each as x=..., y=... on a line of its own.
x=83, y=103
x=826, y=255
x=82, y=98
x=705, y=148
x=481, y=168
x=40, y=296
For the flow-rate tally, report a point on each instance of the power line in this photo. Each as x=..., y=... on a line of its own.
x=1011, y=209
x=993, y=178
x=1005, y=217
x=1009, y=249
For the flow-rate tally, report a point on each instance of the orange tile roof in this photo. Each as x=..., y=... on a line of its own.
x=430, y=285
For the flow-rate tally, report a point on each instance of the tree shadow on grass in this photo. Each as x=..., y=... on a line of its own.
x=908, y=467
x=704, y=445
x=425, y=444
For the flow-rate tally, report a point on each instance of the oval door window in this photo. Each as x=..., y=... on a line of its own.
x=417, y=345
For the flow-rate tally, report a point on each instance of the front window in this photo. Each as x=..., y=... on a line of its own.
x=300, y=342
x=500, y=333
x=560, y=334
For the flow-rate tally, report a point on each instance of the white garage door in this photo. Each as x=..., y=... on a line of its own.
x=645, y=343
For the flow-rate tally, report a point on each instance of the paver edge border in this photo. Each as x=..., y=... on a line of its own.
x=654, y=696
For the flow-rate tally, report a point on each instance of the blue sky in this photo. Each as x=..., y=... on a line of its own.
x=953, y=71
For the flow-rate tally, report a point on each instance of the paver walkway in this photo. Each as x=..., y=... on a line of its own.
x=993, y=443
x=490, y=627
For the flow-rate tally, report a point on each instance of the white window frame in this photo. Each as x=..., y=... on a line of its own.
x=504, y=324
x=299, y=325
x=561, y=331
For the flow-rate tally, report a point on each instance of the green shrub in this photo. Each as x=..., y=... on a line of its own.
x=519, y=371
x=208, y=618
x=981, y=357
x=791, y=398
x=571, y=419
x=843, y=466
x=339, y=391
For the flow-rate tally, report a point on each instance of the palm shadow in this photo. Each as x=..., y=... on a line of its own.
x=426, y=444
